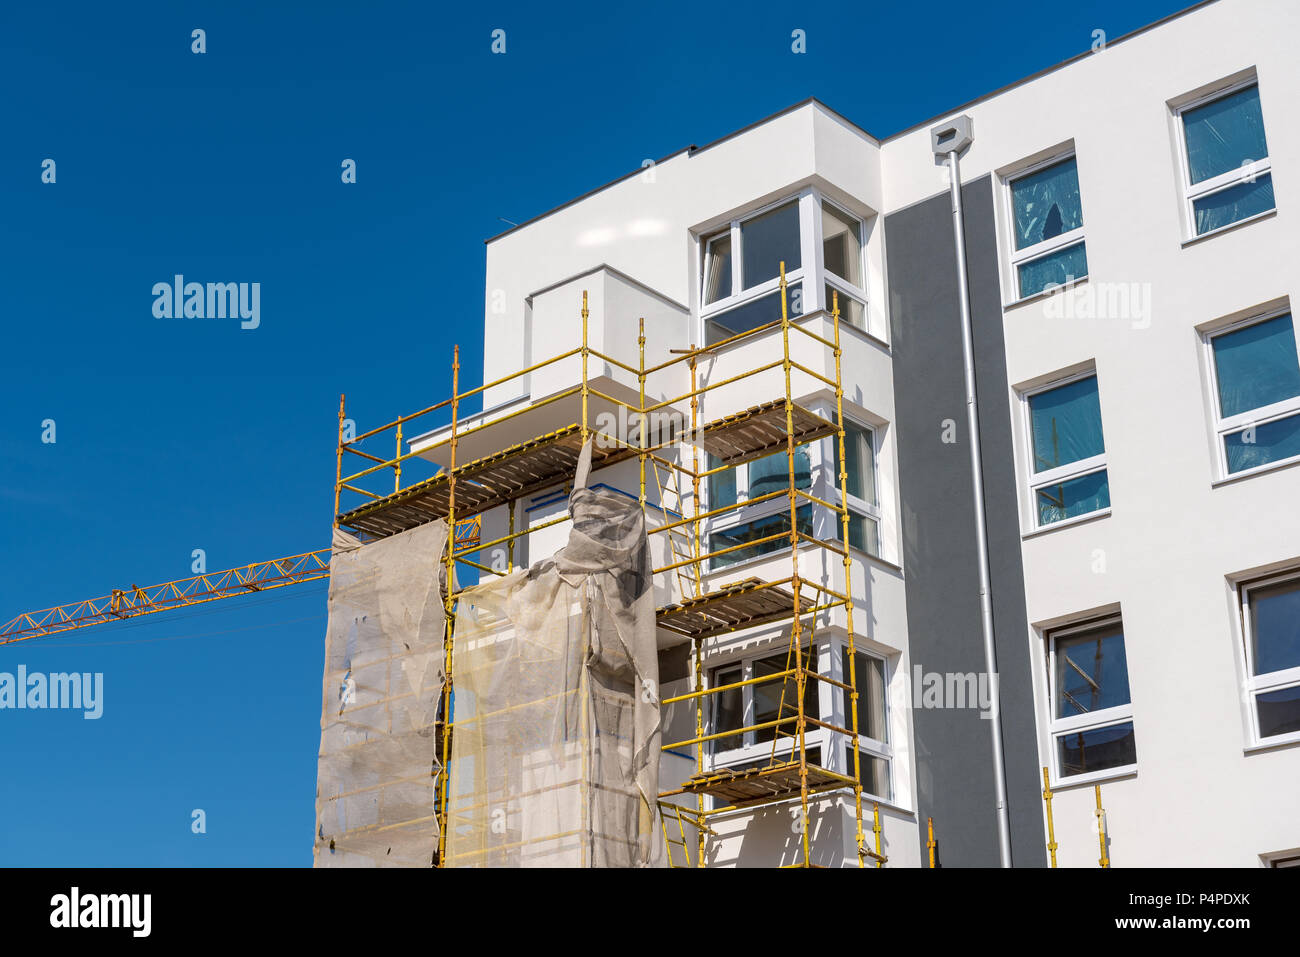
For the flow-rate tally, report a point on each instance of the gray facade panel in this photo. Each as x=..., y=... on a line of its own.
x=954, y=753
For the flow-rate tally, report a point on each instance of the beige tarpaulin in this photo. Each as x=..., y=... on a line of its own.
x=383, y=681
x=555, y=749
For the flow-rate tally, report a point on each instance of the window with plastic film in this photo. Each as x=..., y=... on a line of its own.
x=1048, y=247
x=1068, y=476
x=1092, y=710
x=1256, y=373
x=1227, y=173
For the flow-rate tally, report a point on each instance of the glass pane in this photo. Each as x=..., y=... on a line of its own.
x=864, y=534
x=1091, y=671
x=1275, y=627
x=851, y=311
x=722, y=486
x=841, y=246
x=1279, y=711
x=768, y=240
x=729, y=708
x=1055, y=269
x=1263, y=444
x=773, y=697
x=1113, y=746
x=1088, y=493
x=772, y=472
x=1046, y=203
x=860, y=455
x=751, y=531
x=1234, y=204
x=870, y=682
x=874, y=770
x=717, y=273
x=1256, y=366
x=1066, y=424
x=755, y=313
x=1223, y=135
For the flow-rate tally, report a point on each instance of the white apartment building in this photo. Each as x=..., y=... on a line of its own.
x=1130, y=256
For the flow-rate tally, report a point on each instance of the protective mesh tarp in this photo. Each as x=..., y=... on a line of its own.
x=383, y=679
x=555, y=748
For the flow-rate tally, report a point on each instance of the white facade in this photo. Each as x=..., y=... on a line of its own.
x=1179, y=534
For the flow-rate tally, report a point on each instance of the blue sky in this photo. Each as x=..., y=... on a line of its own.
x=173, y=435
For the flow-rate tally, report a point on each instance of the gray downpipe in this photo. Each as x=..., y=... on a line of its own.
x=977, y=485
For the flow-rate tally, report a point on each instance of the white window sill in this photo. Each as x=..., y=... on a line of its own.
x=1257, y=470
x=1050, y=291
x=1273, y=743
x=1093, y=778
x=1192, y=241
x=1066, y=523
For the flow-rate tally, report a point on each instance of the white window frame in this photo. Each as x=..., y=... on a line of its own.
x=872, y=512
x=742, y=513
x=1273, y=680
x=838, y=283
x=811, y=274
x=825, y=484
x=1023, y=257
x=830, y=702
x=752, y=749
x=1083, y=722
x=1223, y=427
x=1216, y=184
x=839, y=715
x=1062, y=473
x=739, y=294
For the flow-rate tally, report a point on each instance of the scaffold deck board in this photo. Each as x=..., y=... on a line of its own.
x=760, y=785
x=493, y=480
x=742, y=604
x=760, y=431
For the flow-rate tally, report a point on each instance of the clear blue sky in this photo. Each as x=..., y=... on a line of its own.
x=176, y=435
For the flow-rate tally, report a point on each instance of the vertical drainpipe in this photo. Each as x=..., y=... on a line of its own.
x=948, y=140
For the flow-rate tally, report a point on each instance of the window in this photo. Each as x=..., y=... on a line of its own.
x=754, y=538
x=1226, y=170
x=742, y=265
x=755, y=704
x=1047, y=227
x=1255, y=369
x=1092, y=713
x=842, y=261
x=749, y=481
x=1067, y=451
x=860, y=480
x=874, y=753
x=1271, y=620
x=760, y=703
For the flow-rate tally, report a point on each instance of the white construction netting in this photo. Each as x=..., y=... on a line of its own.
x=556, y=737
x=383, y=679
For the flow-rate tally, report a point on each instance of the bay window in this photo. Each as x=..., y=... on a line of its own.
x=741, y=262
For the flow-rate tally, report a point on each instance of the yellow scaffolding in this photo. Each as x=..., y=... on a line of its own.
x=462, y=490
